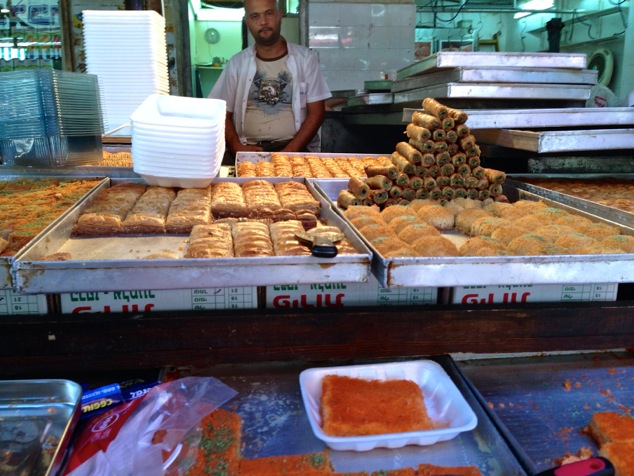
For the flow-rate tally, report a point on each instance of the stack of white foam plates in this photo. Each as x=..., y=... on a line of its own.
x=127, y=50
x=178, y=141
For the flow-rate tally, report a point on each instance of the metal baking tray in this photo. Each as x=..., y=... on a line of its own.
x=543, y=118
x=481, y=59
x=497, y=91
x=38, y=419
x=267, y=156
x=544, y=142
x=545, y=401
x=505, y=270
x=114, y=263
x=11, y=173
x=498, y=75
x=370, y=98
x=275, y=423
x=609, y=213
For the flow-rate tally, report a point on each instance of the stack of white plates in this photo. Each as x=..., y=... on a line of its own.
x=127, y=50
x=178, y=141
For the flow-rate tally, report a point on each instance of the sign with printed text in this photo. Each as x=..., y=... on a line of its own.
x=163, y=300
x=12, y=303
x=522, y=293
x=331, y=295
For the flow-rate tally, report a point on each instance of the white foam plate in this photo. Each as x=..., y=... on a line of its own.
x=445, y=404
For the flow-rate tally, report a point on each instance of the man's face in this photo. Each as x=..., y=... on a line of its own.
x=264, y=21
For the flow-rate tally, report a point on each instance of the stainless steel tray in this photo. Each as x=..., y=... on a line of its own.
x=497, y=91
x=275, y=423
x=114, y=263
x=544, y=142
x=7, y=262
x=267, y=156
x=370, y=98
x=502, y=270
x=38, y=418
x=481, y=59
x=543, y=118
x=498, y=75
x=545, y=401
x=609, y=213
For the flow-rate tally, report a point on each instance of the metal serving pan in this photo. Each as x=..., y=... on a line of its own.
x=275, y=423
x=482, y=59
x=608, y=213
x=504, y=270
x=569, y=92
x=38, y=418
x=544, y=142
x=114, y=263
x=498, y=75
x=544, y=402
x=15, y=173
x=543, y=118
x=267, y=156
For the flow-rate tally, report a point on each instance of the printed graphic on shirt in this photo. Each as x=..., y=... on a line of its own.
x=272, y=92
x=269, y=113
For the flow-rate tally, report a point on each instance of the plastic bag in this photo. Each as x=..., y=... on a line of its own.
x=144, y=436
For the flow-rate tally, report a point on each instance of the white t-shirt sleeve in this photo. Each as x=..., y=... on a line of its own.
x=316, y=86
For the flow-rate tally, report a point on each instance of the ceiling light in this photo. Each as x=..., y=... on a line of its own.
x=533, y=5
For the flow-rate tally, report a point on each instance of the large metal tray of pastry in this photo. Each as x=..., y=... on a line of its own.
x=137, y=262
x=256, y=157
x=15, y=173
x=544, y=402
x=275, y=423
x=499, y=270
x=604, y=211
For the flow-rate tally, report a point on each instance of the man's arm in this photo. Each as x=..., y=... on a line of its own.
x=315, y=112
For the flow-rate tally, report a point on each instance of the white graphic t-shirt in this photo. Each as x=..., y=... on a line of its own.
x=269, y=114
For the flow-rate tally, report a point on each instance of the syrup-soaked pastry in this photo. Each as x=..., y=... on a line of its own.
x=295, y=196
x=227, y=200
x=106, y=214
x=192, y=206
x=260, y=197
x=210, y=241
x=149, y=212
x=251, y=238
x=285, y=243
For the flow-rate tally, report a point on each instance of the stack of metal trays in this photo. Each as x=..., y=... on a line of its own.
x=477, y=78
x=556, y=130
x=397, y=272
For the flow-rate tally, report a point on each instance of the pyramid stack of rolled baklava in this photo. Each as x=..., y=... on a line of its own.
x=439, y=160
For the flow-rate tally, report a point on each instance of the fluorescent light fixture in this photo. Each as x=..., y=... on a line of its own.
x=533, y=5
x=220, y=14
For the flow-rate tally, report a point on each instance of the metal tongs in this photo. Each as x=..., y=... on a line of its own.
x=322, y=243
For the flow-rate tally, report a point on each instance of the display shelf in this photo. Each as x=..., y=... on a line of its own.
x=45, y=345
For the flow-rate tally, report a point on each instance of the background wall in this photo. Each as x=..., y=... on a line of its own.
x=360, y=40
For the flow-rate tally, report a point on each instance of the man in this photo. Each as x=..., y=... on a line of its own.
x=274, y=90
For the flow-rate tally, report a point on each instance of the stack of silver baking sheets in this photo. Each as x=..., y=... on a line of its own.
x=552, y=130
x=473, y=76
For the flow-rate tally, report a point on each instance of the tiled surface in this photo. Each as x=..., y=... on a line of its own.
x=364, y=40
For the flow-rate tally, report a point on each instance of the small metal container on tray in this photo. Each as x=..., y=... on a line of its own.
x=120, y=262
x=500, y=270
x=38, y=419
